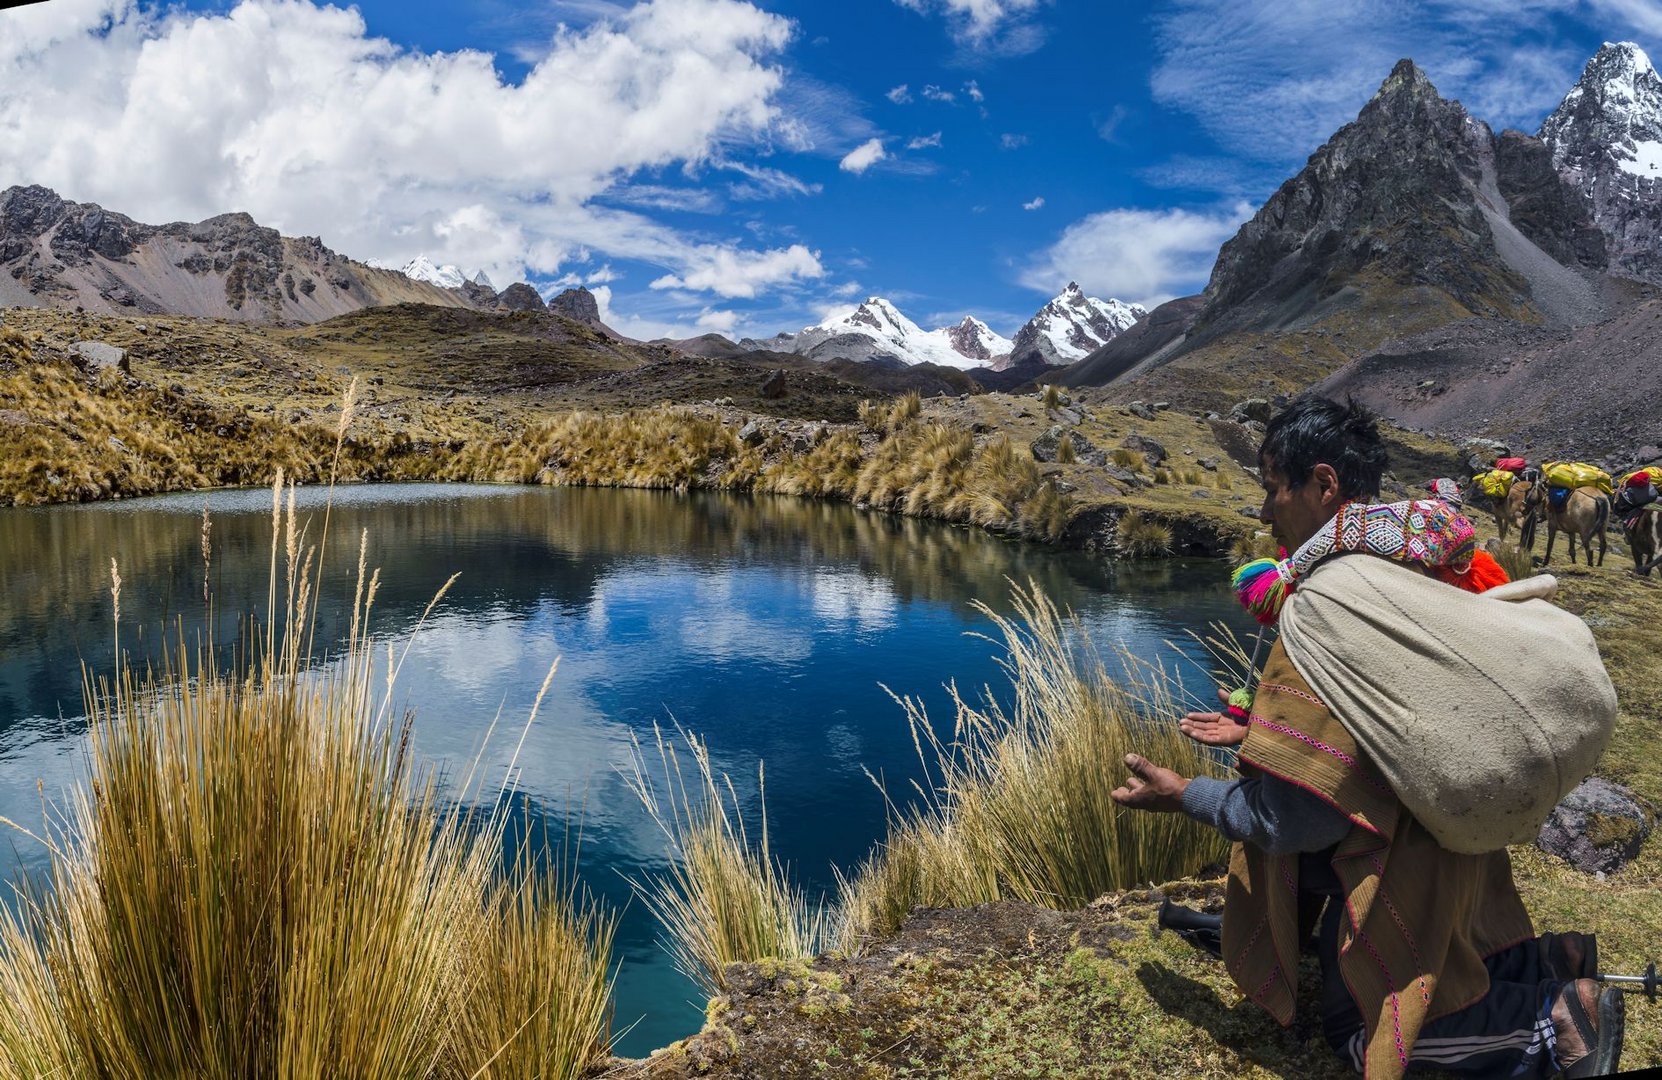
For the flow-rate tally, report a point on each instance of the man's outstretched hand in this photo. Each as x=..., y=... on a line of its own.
x=1150, y=787
x=1213, y=728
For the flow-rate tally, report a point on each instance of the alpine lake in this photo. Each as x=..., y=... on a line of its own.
x=769, y=626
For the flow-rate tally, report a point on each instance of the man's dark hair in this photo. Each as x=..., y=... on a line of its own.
x=1315, y=429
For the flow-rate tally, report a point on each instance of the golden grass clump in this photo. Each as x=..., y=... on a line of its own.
x=1128, y=459
x=1257, y=544
x=906, y=408
x=723, y=900
x=1162, y=476
x=1517, y=562
x=257, y=881
x=1065, y=452
x=1016, y=805
x=873, y=415
x=1137, y=536
x=1051, y=396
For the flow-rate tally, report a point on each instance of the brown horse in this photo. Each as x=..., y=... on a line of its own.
x=1516, y=512
x=1586, y=511
x=1644, y=540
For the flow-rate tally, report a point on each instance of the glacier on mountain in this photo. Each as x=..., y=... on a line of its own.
x=1072, y=326
x=421, y=268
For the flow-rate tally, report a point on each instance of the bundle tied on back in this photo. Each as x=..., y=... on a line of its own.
x=1481, y=710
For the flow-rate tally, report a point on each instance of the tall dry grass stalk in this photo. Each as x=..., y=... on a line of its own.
x=256, y=880
x=1016, y=802
x=724, y=899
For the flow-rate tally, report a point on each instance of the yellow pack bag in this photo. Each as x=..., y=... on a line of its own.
x=1655, y=476
x=1574, y=474
x=1495, y=483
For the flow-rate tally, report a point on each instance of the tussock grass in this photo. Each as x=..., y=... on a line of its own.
x=906, y=408
x=1065, y=452
x=723, y=900
x=1128, y=459
x=1051, y=396
x=258, y=881
x=1258, y=544
x=1137, y=536
x=1513, y=559
x=1016, y=804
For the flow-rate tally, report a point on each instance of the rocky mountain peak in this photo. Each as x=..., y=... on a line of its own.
x=975, y=340
x=579, y=304
x=1392, y=192
x=1606, y=142
x=1614, y=112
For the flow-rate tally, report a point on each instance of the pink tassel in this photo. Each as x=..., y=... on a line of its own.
x=1262, y=586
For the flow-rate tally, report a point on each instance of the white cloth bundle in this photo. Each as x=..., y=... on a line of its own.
x=1481, y=711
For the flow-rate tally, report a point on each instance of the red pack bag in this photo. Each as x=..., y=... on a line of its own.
x=1511, y=464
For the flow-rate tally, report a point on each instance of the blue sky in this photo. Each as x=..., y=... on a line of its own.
x=742, y=166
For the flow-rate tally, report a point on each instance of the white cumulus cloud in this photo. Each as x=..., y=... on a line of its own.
x=1144, y=256
x=728, y=272
x=985, y=23
x=296, y=114
x=924, y=142
x=863, y=157
x=1037, y=202
x=900, y=95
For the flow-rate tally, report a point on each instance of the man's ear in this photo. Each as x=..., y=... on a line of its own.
x=1326, y=480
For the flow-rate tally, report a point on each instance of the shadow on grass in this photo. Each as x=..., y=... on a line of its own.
x=1244, y=1027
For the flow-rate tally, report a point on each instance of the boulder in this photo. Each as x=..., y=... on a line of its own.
x=1257, y=408
x=752, y=434
x=1480, y=454
x=1209, y=464
x=1151, y=450
x=1140, y=410
x=1045, y=447
x=1597, y=828
x=102, y=356
x=774, y=385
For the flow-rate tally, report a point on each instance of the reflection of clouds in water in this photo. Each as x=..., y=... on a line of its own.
x=463, y=670
x=848, y=596
x=727, y=617
x=843, y=743
x=477, y=650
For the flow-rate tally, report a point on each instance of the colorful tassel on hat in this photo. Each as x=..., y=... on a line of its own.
x=1262, y=586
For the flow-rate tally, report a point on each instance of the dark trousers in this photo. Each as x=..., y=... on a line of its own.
x=1508, y=1032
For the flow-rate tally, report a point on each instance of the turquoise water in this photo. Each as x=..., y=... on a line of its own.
x=764, y=624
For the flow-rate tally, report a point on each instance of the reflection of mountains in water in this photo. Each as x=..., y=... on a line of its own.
x=511, y=546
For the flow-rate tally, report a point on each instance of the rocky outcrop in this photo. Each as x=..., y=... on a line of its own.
x=578, y=304
x=1605, y=139
x=58, y=253
x=522, y=297
x=1543, y=206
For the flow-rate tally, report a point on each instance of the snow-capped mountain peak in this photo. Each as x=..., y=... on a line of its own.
x=1072, y=326
x=876, y=330
x=976, y=340
x=421, y=268
x=1613, y=112
x=1606, y=142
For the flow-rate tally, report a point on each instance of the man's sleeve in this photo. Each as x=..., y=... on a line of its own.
x=1271, y=814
